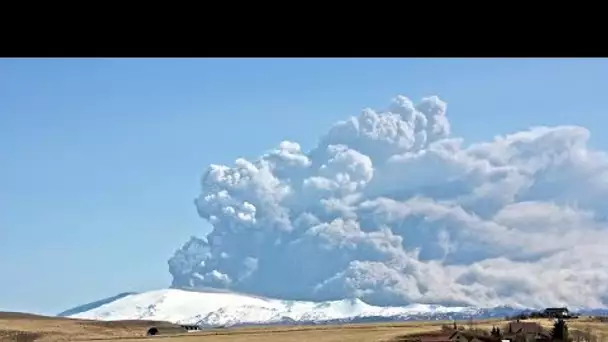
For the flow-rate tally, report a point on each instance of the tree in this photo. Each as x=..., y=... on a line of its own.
x=560, y=331
x=495, y=332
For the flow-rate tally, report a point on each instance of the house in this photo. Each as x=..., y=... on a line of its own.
x=460, y=336
x=557, y=312
x=453, y=336
x=524, y=331
x=191, y=327
x=436, y=336
x=465, y=336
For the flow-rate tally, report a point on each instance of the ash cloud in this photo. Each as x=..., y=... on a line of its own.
x=391, y=208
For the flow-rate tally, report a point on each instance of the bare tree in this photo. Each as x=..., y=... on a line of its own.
x=560, y=331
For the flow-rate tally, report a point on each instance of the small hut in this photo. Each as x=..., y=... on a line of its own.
x=152, y=331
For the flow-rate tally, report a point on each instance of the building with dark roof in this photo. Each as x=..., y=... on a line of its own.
x=557, y=312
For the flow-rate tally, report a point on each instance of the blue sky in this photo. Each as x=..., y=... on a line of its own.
x=101, y=158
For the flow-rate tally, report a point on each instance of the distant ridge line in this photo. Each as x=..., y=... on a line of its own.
x=93, y=305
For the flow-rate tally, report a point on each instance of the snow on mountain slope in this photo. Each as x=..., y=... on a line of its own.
x=93, y=305
x=221, y=308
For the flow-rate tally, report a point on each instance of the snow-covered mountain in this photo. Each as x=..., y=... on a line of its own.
x=221, y=308
x=93, y=305
x=225, y=308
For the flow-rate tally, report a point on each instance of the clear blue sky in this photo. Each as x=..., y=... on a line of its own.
x=100, y=159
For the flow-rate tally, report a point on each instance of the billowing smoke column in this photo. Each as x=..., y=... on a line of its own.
x=391, y=209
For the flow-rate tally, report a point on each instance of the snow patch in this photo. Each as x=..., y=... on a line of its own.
x=222, y=308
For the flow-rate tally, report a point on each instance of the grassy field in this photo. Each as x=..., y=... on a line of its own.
x=25, y=328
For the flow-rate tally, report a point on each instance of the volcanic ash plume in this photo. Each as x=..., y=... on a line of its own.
x=392, y=209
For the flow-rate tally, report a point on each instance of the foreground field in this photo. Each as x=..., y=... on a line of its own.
x=24, y=328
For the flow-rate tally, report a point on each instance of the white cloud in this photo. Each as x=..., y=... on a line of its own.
x=389, y=207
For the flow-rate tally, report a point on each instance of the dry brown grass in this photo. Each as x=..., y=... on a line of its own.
x=26, y=328
x=329, y=333
x=22, y=327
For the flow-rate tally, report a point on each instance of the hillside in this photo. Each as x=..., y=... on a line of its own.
x=19, y=327
x=209, y=308
x=224, y=308
x=93, y=305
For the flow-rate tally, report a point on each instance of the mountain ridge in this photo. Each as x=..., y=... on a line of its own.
x=93, y=305
x=211, y=307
